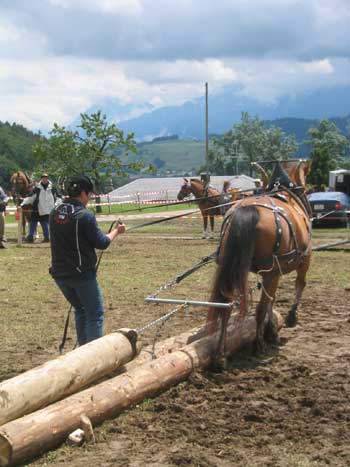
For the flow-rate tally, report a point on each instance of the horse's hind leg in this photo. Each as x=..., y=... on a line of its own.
x=24, y=222
x=205, y=227
x=266, y=330
x=300, y=282
x=211, y=218
x=221, y=358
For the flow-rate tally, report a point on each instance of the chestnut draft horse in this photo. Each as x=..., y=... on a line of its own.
x=21, y=187
x=208, y=197
x=268, y=234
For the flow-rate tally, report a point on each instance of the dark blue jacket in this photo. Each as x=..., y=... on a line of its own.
x=74, y=235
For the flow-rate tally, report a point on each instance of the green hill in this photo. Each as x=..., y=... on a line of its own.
x=172, y=156
x=16, y=144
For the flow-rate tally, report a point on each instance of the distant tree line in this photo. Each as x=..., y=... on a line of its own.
x=98, y=148
x=16, y=144
x=251, y=141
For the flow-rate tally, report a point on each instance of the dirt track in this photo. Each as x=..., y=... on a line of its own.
x=288, y=408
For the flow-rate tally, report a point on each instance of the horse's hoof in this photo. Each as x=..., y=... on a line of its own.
x=271, y=334
x=291, y=321
x=258, y=347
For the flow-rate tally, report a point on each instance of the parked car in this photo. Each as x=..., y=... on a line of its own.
x=330, y=207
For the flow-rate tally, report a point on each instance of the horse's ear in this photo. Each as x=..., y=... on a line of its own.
x=301, y=172
x=307, y=168
x=186, y=179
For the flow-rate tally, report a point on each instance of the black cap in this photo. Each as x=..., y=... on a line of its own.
x=79, y=183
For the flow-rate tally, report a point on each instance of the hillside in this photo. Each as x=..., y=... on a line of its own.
x=16, y=144
x=172, y=156
x=178, y=156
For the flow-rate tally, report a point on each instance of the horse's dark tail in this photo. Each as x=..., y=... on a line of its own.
x=235, y=259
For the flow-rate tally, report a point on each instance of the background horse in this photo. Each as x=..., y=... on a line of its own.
x=21, y=187
x=268, y=234
x=208, y=197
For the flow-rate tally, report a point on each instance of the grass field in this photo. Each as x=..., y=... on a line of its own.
x=178, y=155
x=31, y=325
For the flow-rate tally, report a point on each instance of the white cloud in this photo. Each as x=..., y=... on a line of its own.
x=120, y=7
x=319, y=67
x=59, y=57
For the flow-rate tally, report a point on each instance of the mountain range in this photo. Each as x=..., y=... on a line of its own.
x=225, y=108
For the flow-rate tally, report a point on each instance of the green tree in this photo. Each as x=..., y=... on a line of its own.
x=94, y=148
x=327, y=151
x=16, y=143
x=249, y=141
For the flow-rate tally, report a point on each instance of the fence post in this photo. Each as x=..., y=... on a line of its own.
x=19, y=225
x=138, y=201
x=167, y=199
x=109, y=204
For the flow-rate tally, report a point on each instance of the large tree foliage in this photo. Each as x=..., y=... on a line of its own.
x=327, y=152
x=91, y=149
x=249, y=141
x=16, y=144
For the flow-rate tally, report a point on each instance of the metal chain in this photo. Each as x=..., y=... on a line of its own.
x=163, y=287
x=176, y=280
x=161, y=320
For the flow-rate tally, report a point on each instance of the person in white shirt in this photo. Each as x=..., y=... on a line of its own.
x=43, y=200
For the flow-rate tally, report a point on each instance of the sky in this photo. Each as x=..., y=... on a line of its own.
x=61, y=57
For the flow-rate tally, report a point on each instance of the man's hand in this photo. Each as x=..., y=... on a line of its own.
x=120, y=229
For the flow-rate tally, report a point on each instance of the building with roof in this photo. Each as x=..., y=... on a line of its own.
x=166, y=189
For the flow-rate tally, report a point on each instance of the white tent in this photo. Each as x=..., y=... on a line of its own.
x=163, y=189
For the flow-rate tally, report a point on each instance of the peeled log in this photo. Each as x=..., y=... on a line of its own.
x=63, y=376
x=43, y=430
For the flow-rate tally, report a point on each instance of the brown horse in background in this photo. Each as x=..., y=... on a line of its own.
x=21, y=187
x=268, y=234
x=208, y=197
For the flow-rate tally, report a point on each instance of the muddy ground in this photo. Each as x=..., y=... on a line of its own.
x=289, y=407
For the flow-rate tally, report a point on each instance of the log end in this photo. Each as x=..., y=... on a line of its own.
x=5, y=451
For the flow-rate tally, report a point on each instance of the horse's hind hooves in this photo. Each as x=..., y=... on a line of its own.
x=219, y=364
x=258, y=347
x=291, y=321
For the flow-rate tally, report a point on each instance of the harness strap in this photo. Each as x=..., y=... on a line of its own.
x=293, y=255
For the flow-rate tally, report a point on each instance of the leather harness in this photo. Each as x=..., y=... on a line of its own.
x=295, y=254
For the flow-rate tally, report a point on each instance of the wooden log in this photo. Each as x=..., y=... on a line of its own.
x=64, y=375
x=33, y=434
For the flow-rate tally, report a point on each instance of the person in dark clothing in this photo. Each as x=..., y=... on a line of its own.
x=74, y=237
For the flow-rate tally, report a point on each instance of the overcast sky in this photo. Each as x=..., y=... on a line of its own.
x=59, y=57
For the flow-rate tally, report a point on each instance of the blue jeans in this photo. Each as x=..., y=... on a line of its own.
x=44, y=222
x=84, y=294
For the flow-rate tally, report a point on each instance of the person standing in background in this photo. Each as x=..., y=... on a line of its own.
x=3, y=202
x=43, y=200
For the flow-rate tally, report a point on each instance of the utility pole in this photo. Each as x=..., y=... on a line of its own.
x=206, y=130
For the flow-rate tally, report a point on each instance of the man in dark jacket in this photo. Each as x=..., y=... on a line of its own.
x=74, y=237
